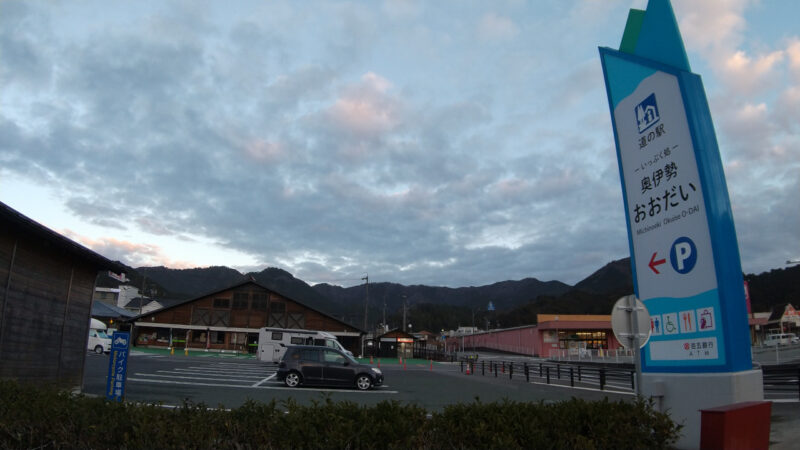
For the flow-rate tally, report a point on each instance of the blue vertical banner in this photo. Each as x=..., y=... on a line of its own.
x=684, y=253
x=117, y=366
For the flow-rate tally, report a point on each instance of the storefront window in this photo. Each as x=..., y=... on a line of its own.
x=573, y=339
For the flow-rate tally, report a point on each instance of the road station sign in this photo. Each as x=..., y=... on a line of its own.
x=684, y=254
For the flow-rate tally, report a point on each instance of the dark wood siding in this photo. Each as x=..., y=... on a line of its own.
x=45, y=304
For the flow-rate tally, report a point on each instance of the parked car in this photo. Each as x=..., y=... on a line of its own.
x=311, y=365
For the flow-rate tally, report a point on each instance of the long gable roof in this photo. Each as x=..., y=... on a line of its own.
x=237, y=285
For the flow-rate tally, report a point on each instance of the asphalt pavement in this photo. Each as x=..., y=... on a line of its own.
x=228, y=382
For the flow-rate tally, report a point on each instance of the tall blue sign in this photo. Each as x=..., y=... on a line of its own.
x=684, y=253
x=117, y=366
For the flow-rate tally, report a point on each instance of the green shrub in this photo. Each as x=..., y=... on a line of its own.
x=44, y=417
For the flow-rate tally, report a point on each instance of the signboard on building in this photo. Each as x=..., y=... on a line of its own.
x=683, y=245
x=117, y=366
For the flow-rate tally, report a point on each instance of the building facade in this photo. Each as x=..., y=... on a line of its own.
x=229, y=320
x=553, y=335
x=45, y=301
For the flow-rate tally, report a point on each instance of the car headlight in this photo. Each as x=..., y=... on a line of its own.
x=376, y=370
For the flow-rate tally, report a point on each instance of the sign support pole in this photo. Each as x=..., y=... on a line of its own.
x=637, y=360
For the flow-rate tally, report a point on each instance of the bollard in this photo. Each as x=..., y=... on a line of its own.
x=558, y=371
x=370, y=359
x=495, y=370
x=379, y=363
x=186, y=351
x=431, y=365
x=468, y=369
x=483, y=367
x=462, y=366
x=527, y=373
x=571, y=378
x=172, y=351
x=633, y=380
x=547, y=370
x=579, y=373
x=511, y=371
x=602, y=378
x=504, y=367
x=540, y=370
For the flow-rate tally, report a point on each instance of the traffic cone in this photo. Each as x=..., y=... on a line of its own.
x=379, y=363
x=186, y=351
x=172, y=350
x=370, y=359
x=431, y=365
x=468, y=369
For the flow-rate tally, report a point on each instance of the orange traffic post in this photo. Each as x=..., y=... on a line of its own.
x=370, y=359
x=431, y=365
x=379, y=363
x=468, y=369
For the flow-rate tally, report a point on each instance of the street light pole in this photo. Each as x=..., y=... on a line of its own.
x=366, y=301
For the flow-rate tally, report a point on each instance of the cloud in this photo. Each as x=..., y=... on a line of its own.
x=131, y=253
x=365, y=109
x=408, y=140
x=493, y=27
x=746, y=74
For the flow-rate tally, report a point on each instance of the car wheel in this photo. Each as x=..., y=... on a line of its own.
x=363, y=382
x=292, y=379
x=98, y=349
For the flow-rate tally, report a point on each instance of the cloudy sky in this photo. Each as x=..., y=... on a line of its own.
x=450, y=143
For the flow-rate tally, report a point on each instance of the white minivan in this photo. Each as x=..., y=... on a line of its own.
x=99, y=341
x=781, y=339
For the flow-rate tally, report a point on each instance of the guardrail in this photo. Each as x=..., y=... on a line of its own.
x=777, y=379
x=781, y=378
x=620, y=355
x=556, y=373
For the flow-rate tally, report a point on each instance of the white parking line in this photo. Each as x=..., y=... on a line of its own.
x=190, y=378
x=266, y=379
x=199, y=372
x=584, y=388
x=280, y=388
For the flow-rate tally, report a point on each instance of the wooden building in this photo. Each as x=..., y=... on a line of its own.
x=45, y=301
x=394, y=344
x=229, y=320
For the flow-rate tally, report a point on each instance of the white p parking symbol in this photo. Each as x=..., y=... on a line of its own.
x=683, y=255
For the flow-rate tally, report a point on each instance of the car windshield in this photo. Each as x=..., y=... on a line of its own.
x=102, y=334
x=350, y=358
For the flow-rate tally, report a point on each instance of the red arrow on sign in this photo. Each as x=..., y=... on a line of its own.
x=654, y=262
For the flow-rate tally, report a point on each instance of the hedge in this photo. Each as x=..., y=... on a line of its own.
x=43, y=417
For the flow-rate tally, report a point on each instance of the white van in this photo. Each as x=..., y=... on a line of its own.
x=99, y=341
x=272, y=342
x=781, y=339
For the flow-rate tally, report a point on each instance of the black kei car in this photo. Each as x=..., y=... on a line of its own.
x=312, y=365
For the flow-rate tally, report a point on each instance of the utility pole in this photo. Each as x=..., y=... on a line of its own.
x=366, y=301
x=405, y=304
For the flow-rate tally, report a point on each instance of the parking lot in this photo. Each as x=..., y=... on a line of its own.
x=230, y=382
